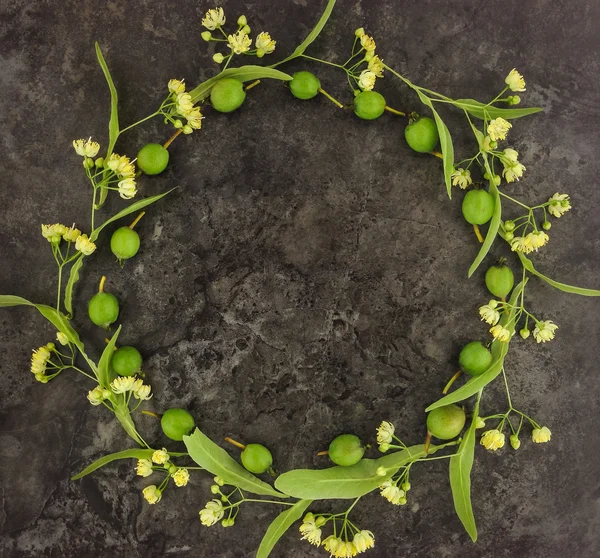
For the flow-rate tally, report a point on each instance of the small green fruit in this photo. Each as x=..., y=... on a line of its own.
x=499, y=280
x=346, y=450
x=478, y=207
x=177, y=423
x=446, y=422
x=103, y=309
x=227, y=95
x=422, y=135
x=256, y=458
x=475, y=358
x=153, y=158
x=304, y=85
x=125, y=243
x=126, y=361
x=369, y=105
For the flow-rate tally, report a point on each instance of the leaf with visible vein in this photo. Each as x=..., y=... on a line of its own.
x=480, y=110
x=279, y=526
x=104, y=377
x=73, y=278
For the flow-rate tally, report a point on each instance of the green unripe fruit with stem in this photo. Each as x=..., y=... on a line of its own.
x=346, y=450
x=422, y=135
x=256, y=458
x=446, y=422
x=478, y=207
x=153, y=158
x=304, y=85
x=369, y=105
x=103, y=308
x=475, y=358
x=126, y=361
x=124, y=243
x=499, y=280
x=227, y=95
x=177, y=423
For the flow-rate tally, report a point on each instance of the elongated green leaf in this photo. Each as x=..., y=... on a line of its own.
x=460, y=477
x=216, y=460
x=73, y=278
x=12, y=300
x=104, y=375
x=492, y=230
x=136, y=206
x=480, y=110
x=243, y=73
x=279, y=526
x=310, y=38
x=528, y=265
x=499, y=351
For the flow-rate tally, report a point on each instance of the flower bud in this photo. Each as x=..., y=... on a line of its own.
x=493, y=304
x=546, y=225
x=88, y=163
x=215, y=489
x=479, y=423
x=509, y=236
x=515, y=442
x=384, y=447
x=509, y=225
x=493, y=144
x=171, y=468
x=359, y=32
x=219, y=480
x=246, y=29
x=187, y=129
x=224, y=498
x=106, y=393
x=242, y=21
x=513, y=99
x=206, y=35
x=99, y=162
x=320, y=520
x=406, y=486
x=524, y=333
x=178, y=123
x=218, y=58
x=402, y=501
x=370, y=55
x=381, y=471
x=260, y=53
x=496, y=179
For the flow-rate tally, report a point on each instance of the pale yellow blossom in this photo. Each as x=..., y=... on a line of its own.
x=214, y=18
x=212, y=513
x=152, y=494
x=376, y=66
x=86, y=148
x=385, y=433
x=515, y=81
x=559, y=205
x=181, y=477
x=239, y=43
x=541, y=435
x=264, y=43
x=366, y=80
x=177, y=87
x=127, y=188
x=368, y=43
x=500, y=333
x=143, y=467
x=461, y=178
x=492, y=440
x=544, y=331
x=498, y=128
x=160, y=457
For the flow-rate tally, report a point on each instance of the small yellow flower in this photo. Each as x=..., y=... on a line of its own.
x=87, y=148
x=240, y=42
x=498, y=128
x=512, y=171
x=366, y=80
x=142, y=392
x=264, y=43
x=385, y=432
x=310, y=531
x=127, y=188
x=194, y=118
x=331, y=543
x=368, y=43
x=214, y=18
x=489, y=315
x=96, y=396
x=121, y=165
x=520, y=244
x=510, y=155
x=85, y=245
x=363, y=541
x=176, y=86
x=53, y=233
x=160, y=457
x=376, y=66
x=462, y=178
x=500, y=333
x=492, y=440
x=392, y=493
x=122, y=384
x=541, y=435
x=143, y=467
x=152, y=494
x=212, y=513
x=515, y=81
x=544, y=331
x=559, y=205
x=184, y=103
x=62, y=338
x=71, y=234
x=39, y=360
x=181, y=477
x=536, y=240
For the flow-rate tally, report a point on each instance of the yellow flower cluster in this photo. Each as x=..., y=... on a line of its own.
x=124, y=384
x=541, y=435
x=212, y=513
x=98, y=395
x=385, y=433
x=310, y=529
x=532, y=242
x=513, y=170
x=393, y=494
x=544, y=331
x=559, y=204
x=152, y=494
x=240, y=42
x=57, y=232
x=500, y=333
x=498, y=128
x=39, y=362
x=492, y=440
x=184, y=107
x=214, y=19
x=264, y=44
x=86, y=148
x=489, y=314
x=363, y=541
x=461, y=178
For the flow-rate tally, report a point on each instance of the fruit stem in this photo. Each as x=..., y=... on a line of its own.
x=326, y=452
x=452, y=380
x=137, y=219
x=394, y=111
x=101, y=286
x=236, y=444
x=436, y=154
x=253, y=84
x=150, y=413
x=172, y=138
x=334, y=101
x=427, y=442
x=478, y=233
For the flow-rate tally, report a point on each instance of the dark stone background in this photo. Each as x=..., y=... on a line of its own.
x=307, y=278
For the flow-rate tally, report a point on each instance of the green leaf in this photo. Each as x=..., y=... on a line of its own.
x=312, y=35
x=12, y=300
x=499, y=351
x=218, y=462
x=480, y=110
x=73, y=278
x=136, y=206
x=104, y=377
x=460, y=477
x=528, y=265
x=113, y=124
x=279, y=526
x=243, y=73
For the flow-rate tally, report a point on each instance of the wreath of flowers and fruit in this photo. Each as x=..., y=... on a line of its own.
x=120, y=386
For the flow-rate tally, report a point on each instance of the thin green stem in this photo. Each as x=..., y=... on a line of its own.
x=323, y=62
x=138, y=122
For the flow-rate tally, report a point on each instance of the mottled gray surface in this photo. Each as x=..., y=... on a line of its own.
x=307, y=278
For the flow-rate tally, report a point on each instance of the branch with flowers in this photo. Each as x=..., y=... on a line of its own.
x=119, y=385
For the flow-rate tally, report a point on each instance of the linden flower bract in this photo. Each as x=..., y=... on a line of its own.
x=544, y=331
x=392, y=493
x=177, y=87
x=264, y=43
x=85, y=245
x=87, y=148
x=239, y=43
x=498, y=128
x=160, y=457
x=489, y=315
x=310, y=531
x=212, y=513
x=122, y=384
x=368, y=43
x=152, y=494
x=181, y=477
x=363, y=541
x=515, y=81
x=461, y=178
x=559, y=205
x=143, y=467
x=366, y=80
x=492, y=440
x=541, y=435
x=500, y=333
x=376, y=66
x=214, y=18
x=127, y=188
x=385, y=432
